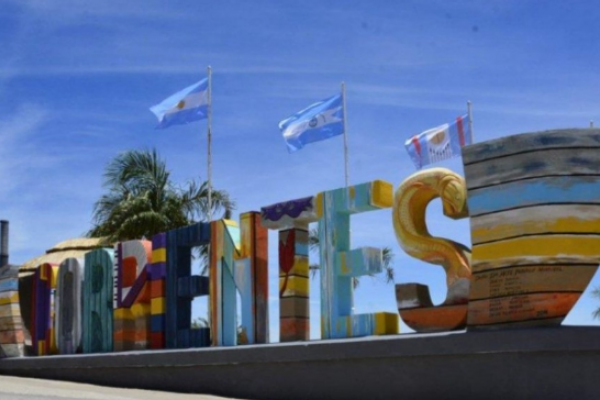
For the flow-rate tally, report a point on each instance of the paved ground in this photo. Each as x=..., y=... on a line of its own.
x=14, y=388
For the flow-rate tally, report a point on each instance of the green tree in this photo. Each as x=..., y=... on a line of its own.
x=142, y=200
x=387, y=255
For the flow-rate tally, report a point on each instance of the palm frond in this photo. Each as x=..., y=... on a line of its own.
x=388, y=268
x=313, y=239
x=141, y=200
x=195, y=201
x=314, y=268
x=387, y=258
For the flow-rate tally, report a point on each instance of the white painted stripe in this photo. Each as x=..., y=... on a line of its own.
x=324, y=118
x=192, y=100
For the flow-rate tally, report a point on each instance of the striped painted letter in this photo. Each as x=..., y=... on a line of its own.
x=42, y=316
x=68, y=306
x=131, y=304
x=158, y=301
x=291, y=219
x=534, y=202
x=182, y=287
x=339, y=264
x=410, y=225
x=238, y=260
x=98, y=301
x=12, y=339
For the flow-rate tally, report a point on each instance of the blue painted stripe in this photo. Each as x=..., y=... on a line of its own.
x=539, y=191
x=362, y=198
x=157, y=323
x=9, y=284
x=353, y=200
x=363, y=324
x=199, y=337
x=301, y=249
x=158, y=270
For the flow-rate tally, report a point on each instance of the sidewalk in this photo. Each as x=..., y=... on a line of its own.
x=14, y=388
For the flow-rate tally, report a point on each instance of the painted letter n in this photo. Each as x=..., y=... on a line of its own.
x=238, y=261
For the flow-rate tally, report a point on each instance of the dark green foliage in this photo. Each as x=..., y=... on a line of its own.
x=142, y=201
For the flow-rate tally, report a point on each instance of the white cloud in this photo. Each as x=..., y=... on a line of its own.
x=18, y=151
x=45, y=195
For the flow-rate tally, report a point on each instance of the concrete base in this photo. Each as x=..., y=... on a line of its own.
x=557, y=363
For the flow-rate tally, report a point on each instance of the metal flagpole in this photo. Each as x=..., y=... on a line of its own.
x=345, y=133
x=470, y=116
x=209, y=122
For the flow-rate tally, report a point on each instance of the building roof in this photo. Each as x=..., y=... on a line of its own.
x=75, y=248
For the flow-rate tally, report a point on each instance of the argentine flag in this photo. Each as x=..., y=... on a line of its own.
x=187, y=105
x=318, y=121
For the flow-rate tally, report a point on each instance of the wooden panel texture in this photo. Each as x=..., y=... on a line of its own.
x=339, y=264
x=131, y=304
x=411, y=200
x=535, y=224
x=43, y=339
x=98, y=301
x=68, y=308
x=158, y=291
x=12, y=340
x=291, y=219
x=238, y=261
x=182, y=287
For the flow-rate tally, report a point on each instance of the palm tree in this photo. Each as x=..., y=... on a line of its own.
x=200, y=323
x=142, y=201
x=388, y=257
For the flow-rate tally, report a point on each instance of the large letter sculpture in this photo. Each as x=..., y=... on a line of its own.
x=239, y=261
x=43, y=339
x=291, y=219
x=12, y=339
x=182, y=287
x=534, y=201
x=339, y=264
x=410, y=205
x=131, y=323
x=98, y=301
x=158, y=303
x=68, y=305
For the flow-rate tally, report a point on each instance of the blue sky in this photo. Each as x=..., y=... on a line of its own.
x=77, y=78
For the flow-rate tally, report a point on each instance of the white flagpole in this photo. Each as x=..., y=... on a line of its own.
x=345, y=133
x=470, y=115
x=209, y=122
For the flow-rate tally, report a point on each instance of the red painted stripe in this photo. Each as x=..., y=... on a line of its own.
x=415, y=141
x=461, y=131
